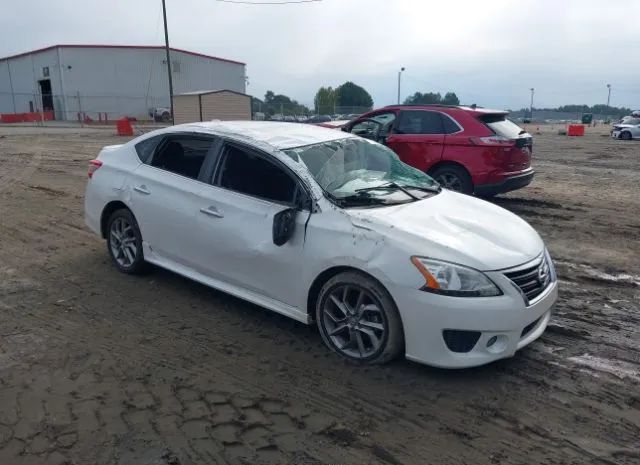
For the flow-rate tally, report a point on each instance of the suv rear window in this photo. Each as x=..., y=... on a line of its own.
x=502, y=126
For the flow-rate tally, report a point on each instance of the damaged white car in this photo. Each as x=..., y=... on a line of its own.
x=326, y=227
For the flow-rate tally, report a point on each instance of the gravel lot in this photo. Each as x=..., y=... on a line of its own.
x=101, y=368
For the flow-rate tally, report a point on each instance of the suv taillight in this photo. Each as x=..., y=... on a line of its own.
x=494, y=141
x=93, y=166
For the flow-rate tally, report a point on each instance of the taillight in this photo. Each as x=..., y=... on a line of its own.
x=93, y=166
x=494, y=141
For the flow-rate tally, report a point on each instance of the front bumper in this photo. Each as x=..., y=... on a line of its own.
x=510, y=183
x=425, y=316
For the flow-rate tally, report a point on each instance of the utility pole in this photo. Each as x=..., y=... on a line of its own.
x=399, y=75
x=531, y=107
x=166, y=46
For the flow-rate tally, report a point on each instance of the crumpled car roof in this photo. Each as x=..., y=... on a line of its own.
x=280, y=136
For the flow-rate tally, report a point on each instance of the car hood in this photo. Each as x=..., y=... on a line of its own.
x=456, y=228
x=624, y=125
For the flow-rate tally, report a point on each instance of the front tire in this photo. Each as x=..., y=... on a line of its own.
x=625, y=135
x=454, y=178
x=358, y=319
x=124, y=242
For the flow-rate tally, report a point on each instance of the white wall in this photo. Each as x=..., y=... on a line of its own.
x=119, y=81
x=26, y=71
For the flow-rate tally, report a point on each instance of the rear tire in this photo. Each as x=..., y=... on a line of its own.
x=124, y=242
x=454, y=178
x=625, y=135
x=358, y=319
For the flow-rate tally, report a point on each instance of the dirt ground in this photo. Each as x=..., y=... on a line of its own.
x=101, y=368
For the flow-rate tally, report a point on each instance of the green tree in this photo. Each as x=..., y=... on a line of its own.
x=423, y=99
x=325, y=100
x=450, y=98
x=282, y=104
x=352, y=95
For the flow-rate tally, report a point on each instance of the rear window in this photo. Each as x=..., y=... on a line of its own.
x=146, y=148
x=631, y=121
x=502, y=126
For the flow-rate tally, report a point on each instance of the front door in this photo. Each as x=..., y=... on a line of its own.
x=235, y=225
x=418, y=138
x=47, y=96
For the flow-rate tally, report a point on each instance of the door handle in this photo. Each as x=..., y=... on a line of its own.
x=211, y=211
x=142, y=189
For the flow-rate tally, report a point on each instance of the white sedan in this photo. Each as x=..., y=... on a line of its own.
x=628, y=129
x=326, y=227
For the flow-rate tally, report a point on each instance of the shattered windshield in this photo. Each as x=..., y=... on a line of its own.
x=361, y=171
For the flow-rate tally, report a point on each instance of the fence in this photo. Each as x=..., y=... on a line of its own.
x=105, y=109
x=290, y=112
x=86, y=109
x=541, y=116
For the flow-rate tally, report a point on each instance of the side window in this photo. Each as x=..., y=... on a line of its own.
x=364, y=128
x=420, y=122
x=368, y=128
x=146, y=148
x=450, y=125
x=251, y=174
x=183, y=155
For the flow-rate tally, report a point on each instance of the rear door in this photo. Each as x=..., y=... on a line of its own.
x=164, y=195
x=418, y=138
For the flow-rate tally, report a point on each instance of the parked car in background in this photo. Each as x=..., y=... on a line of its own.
x=160, y=114
x=319, y=119
x=326, y=227
x=336, y=124
x=469, y=150
x=628, y=129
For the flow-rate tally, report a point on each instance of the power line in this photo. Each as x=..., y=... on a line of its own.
x=284, y=2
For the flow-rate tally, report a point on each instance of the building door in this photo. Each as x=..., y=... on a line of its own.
x=45, y=91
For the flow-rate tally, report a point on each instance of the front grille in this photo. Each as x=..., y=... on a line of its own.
x=460, y=341
x=533, y=280
x=527, y=329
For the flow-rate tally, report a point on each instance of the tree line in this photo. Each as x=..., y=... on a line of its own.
x=348, y=97
x=598, y=109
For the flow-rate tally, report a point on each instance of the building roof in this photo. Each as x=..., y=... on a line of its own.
x=206, y=92
x=278, y=135
x=144, y=47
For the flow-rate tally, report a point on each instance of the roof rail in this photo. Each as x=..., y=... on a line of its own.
x=424, y=105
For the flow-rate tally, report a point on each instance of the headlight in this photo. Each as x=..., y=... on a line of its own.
x=552, y=268
x=454, y=280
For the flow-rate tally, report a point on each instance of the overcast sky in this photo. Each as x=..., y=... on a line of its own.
x=489, y=52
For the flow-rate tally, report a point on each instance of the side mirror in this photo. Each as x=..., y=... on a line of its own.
x=284, y=224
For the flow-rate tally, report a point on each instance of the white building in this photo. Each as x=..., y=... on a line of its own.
x=108, y=81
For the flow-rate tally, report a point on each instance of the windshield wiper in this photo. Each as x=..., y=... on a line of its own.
x=404, y=188
x=360, y=197
x=389, y=185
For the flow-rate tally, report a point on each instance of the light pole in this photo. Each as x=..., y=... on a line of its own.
x=608, y=96
x=531, y=106
x=399, y=75
x=166, y=46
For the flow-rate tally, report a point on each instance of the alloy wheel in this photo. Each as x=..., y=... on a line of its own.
x=450, y=181
x=122, y=240
x=354, y=321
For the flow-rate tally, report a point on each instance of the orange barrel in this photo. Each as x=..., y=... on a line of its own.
x=575, y=130
x=124, y=127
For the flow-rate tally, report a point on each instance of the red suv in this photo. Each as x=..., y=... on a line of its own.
x=466, y=149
